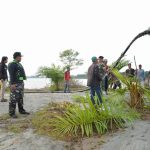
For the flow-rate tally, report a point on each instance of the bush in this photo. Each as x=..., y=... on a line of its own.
x=54, y=72
x=85, y=119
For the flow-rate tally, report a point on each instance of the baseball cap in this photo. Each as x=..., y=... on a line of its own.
x=94, y=59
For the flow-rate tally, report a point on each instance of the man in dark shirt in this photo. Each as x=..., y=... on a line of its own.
x=3, y=77
x=94, y=79
x=17, y=77
x=130, y=72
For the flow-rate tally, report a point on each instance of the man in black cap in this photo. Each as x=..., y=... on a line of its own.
x=17, y=77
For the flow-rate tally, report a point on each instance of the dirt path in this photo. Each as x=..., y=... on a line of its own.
x=28, y=140
x=35, y=101
x=133, y=138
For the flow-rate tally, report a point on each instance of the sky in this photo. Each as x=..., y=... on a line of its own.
x=41, y=29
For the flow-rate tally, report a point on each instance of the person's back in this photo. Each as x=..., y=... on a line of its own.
x=93, y=75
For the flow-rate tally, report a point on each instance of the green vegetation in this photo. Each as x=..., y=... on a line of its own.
x=83, y=119
x=136, y=91
x=42, y=119
x=123, y=63
x=55, y=73
x=69, y=58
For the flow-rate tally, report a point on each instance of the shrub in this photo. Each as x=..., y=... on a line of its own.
x=87, y=119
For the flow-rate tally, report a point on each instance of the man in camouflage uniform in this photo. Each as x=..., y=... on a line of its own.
x=101, y=69
x=17, y=76
x=101, y=66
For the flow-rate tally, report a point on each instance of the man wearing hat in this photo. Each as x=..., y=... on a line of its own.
x=17, y=77
x=94, y=79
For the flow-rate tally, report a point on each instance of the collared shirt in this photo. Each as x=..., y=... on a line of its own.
x=140, y=75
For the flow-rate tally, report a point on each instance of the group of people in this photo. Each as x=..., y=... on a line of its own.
x=98, y=77
x=16, y=83
x=99, y=74
x=139, y=73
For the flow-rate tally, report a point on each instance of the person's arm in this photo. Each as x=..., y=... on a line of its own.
x=12, y=70
x=64, y=76
x=144, y=75
x=1, y=73
x=126, y=73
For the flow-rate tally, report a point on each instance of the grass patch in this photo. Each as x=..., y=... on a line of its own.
x=69, y=121
x=78, y=98
x=15, y=125
x=42, y=119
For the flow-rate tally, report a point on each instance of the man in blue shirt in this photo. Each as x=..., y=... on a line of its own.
x=141, y=75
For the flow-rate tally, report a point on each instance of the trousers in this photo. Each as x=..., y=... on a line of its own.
x=16, y=96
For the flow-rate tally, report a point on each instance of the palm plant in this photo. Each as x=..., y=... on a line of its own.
x=87, y=119
x=136, y=91
x=122, y=63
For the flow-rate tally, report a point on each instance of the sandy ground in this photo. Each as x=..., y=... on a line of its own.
x=133, y=138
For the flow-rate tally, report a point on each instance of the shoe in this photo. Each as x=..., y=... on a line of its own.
x=13, y=116
x=24, y=113
x=3, y=100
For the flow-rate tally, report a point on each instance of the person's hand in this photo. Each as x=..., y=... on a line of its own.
x=13, y=87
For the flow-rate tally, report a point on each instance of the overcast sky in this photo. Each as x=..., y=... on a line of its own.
x=40, y=29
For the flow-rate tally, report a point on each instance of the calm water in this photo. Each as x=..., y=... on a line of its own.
x=38, y=83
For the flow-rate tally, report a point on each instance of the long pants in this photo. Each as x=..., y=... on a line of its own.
x=16, y=96
x=96, y=90
x=3, y=88
x=106, y=83
x=67, y=86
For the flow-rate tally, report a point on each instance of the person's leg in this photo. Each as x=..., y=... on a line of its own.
x=1, y=93
x=115, y=86
x=65, y=87
x=20, y=88
x=98, y=92
x=12, y=102
x=106, y=84
x=92, y=94
x=20, y=99
x=3, y=88
x=68, y=85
